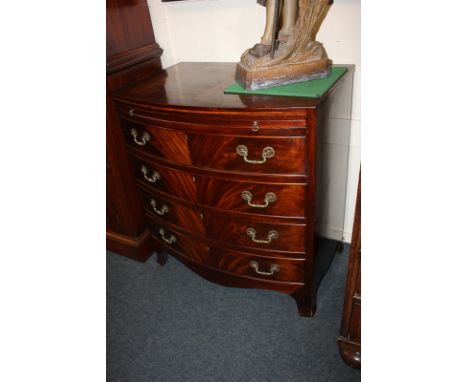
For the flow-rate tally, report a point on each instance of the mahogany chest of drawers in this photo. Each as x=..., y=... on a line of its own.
x=229, y=182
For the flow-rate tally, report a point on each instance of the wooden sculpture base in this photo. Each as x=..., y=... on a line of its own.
x=282, y=74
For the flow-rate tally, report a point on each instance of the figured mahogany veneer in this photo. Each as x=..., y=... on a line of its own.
x=231, y=261
x=186, y=217
x=185, y=147
x=219, y=192
x=234, y=231
x=196, y=250
x=228, y=182
x=290, y=269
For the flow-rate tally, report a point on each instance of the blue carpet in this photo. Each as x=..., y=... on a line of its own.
x=168, y=324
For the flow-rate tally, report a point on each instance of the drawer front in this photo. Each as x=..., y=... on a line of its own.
x=278, y=155
x=182, y=216
x=169, y=181
x=245, y=264
x=253, y=198
x=254, y=235
x=162, y=143
x=194, y=249
x=247, y=154
x=281, y=122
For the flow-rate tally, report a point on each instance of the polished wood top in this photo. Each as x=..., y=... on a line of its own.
x=191, y=85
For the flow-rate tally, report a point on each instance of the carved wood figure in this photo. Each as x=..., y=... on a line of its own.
x=288, y=54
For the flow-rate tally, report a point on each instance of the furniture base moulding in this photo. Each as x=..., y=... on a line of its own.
x=139, y=248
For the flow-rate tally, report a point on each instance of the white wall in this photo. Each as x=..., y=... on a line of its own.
x=220, y=30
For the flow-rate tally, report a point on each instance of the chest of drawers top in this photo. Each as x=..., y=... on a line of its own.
x=192, y=86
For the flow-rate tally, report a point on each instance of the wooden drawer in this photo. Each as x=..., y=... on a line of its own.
x=254, y=198
x=254, y=235
x=172, y=182
x=277, y=155
x=263, y=198
x=279, y=122
x=245, y=264
x=187, y=218
x=240, y=153
x=235, y=262
x=168, y=144
x=194, y=249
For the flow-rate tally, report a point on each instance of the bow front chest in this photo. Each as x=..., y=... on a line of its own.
x=230, y=182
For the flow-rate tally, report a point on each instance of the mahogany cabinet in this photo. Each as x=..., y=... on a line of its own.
x=228, y=182
x=132, y=54
x=349, y=341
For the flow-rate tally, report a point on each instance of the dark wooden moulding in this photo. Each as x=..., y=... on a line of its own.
x=349, y=340
x=193, y=129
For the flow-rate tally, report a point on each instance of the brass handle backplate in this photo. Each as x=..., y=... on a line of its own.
x=169, y=240
x=267, y=153
x=153, y=178
x=273, y=269
x=270, y=197
x=272, y=235
x=145, y=137
x=163, y=211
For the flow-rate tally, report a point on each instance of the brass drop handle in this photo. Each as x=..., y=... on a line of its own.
x=163, y=211
x=169, y=240
x=145, y=138
x=270, y=197
x=272, y=235
x=273, y=269
x=267, y=153
x=154, y=178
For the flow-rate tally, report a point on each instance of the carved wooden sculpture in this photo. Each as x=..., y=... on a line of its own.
x=297, y=56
